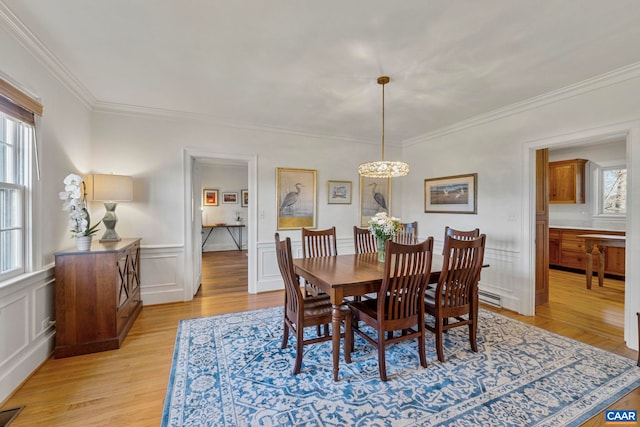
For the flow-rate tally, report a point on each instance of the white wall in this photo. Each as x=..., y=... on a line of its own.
x=27, y=303
x=158, y=213
x=499, y=149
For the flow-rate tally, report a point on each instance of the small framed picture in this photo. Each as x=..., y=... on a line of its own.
x=209, y=197
x=451, y=194
x=244, y=198
x=229, y=197
x=339, y=192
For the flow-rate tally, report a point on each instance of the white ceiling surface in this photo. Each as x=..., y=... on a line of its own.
x=311, y=66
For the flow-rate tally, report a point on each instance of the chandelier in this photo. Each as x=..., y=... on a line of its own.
x=383, y=169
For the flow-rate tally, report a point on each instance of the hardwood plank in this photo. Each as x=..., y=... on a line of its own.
x=128, y=386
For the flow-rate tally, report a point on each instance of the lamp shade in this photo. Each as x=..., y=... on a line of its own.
x=112, y=188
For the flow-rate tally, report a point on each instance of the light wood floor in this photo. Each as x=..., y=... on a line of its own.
x=126, y=387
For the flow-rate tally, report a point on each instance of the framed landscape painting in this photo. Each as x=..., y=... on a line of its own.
x=451, y=194
x=375, y=197
x=229, y=197
x=339, y=192
x=296, y=198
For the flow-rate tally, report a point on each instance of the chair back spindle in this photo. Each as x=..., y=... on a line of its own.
x=408, y=233
x=317, y=243
x=364, y=241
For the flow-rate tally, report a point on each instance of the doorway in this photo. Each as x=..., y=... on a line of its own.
x=629, y=133
x=193, y=158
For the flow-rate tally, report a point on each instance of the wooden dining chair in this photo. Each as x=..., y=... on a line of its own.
x=317, y=243
x=300, y=311
x=399, y=305
x=456, y=294
x=461, y=234
x=408, y=233
x=364, y=241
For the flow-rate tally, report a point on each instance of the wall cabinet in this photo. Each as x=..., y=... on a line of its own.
x=566, y=249
x=566, y=181
x=97, y=296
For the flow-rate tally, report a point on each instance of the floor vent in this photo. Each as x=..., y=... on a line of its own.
x=489, y=298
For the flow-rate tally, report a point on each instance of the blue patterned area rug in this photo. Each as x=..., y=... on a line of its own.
x=229, y=370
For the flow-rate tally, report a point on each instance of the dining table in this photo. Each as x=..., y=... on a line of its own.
x=342, y=276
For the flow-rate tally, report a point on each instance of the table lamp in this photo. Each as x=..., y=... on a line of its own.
x=111, y=189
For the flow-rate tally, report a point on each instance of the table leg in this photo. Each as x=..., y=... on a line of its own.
x=336, y=321
x=589, y=272
x=601, y=266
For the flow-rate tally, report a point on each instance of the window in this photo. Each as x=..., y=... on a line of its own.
x=613, y=190
x=17, y=135
x=15, y=141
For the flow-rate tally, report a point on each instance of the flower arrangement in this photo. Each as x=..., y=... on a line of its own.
x=384, y=227
x=74, y=196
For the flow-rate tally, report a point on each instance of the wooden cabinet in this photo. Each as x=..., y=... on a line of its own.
x=97, y=296
x=566, y=181
x=566, y=249
x=554, y=246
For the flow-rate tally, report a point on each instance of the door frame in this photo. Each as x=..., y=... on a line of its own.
x=192, y=249
x=629, y=130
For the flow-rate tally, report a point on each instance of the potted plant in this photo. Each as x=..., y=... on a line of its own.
x=74, y=196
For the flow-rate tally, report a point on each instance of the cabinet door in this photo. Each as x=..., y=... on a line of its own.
x=562, y=183
x=122, y=292
x=614, y=260
x=134, y=276
x=554, y=251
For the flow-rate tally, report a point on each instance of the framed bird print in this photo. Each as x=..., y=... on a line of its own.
x=375, y=197
x=451, y=194
x=296, y=198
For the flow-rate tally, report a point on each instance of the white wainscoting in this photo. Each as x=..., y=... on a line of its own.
x=26, y=327
x=162, y=274
x=269, y=278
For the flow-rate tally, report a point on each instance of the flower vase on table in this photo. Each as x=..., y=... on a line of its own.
x=384, y=228
x=381, y=248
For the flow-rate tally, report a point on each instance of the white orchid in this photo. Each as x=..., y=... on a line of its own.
x=74, y=203
x=384, y=227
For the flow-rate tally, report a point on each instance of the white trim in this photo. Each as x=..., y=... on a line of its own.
x=190, y=156
x=631, y=132
x=628, y=72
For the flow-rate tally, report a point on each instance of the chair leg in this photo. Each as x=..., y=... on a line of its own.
x=421, y=345
x=473, y=331
x=299, y=348
x=382, y=366
x=285, y=335
x=439, y=339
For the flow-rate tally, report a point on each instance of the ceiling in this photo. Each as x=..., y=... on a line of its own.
x=311, y=66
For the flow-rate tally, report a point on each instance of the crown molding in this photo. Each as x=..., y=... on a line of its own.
x=33, y=45
x=619, y=75
x=165, y=114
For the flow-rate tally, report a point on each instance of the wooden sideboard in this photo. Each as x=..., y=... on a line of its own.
x=568, y=250
x=97, y=296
